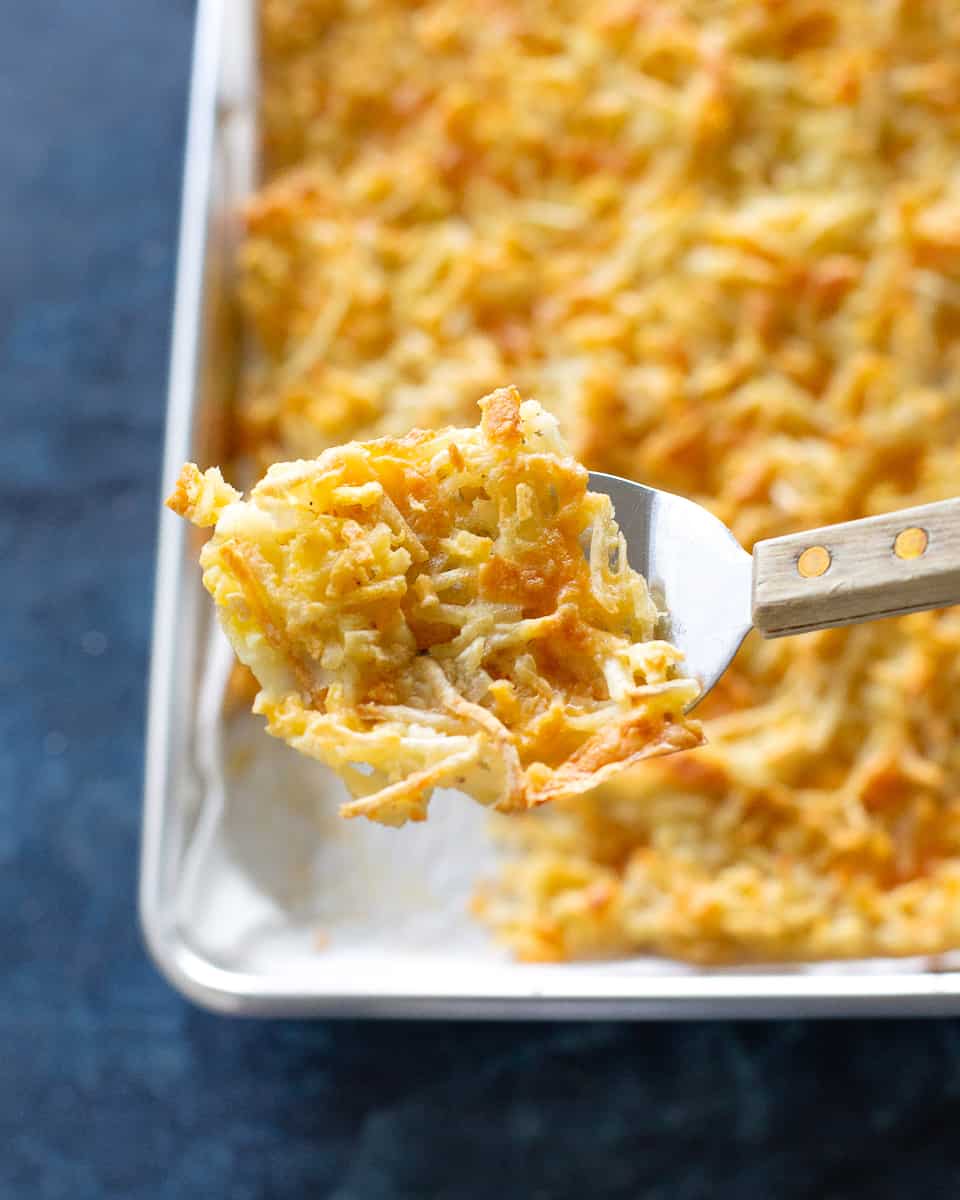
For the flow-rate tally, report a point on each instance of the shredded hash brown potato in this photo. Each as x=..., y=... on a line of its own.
x=720, y=239
x=420, y=612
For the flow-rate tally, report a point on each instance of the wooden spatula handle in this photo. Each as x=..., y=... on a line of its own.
x=878, y=567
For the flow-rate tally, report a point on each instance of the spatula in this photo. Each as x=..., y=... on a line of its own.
x=715, y=592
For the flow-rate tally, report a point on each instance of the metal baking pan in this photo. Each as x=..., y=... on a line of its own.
x=254, y=897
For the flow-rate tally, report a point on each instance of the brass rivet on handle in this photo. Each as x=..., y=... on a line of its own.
x=910, y=543
x=814, y=561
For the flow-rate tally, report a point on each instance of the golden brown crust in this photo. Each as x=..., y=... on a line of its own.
x=242, y=688
x=501, y=418
x=620, y=745
x=200, y=497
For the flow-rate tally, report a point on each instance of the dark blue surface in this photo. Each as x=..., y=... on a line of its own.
x=110, y=1084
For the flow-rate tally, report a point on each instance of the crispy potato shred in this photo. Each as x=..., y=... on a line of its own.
x=720, y=240
x=422, y=612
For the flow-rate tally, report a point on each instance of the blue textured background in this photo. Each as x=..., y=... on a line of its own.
x=110, y=1084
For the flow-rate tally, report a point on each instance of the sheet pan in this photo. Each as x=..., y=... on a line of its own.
x=255, y=898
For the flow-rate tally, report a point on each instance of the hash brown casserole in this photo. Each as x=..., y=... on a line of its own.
x=420, y=612
x=720, y=239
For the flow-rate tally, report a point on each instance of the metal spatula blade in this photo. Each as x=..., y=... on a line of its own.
x=697, y=572
x=714, y=592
